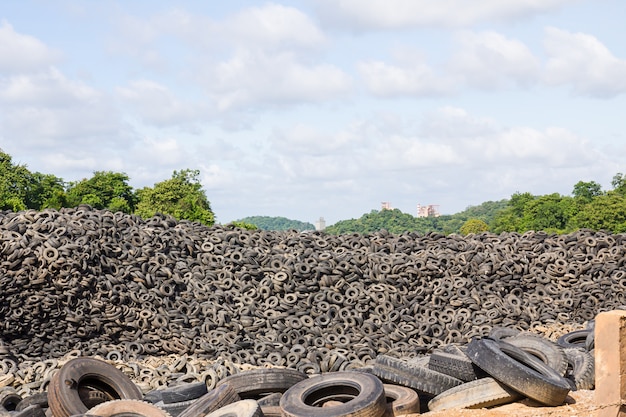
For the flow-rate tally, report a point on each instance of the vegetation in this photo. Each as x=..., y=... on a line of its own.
x=277, y=223
x=182, y=196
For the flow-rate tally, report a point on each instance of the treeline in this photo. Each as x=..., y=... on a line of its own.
x=276, y=223
x=180, y=196
x=588, y=207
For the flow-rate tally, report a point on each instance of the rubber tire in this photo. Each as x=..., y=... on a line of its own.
x=401, y=400
x=185, y=392
x=581, y=369
x=576, y=339
x=127, y=408
x=361, y=394
x=420, y=378
x=32, y=410
x=481, y=393
x=256, y=383
x=9, y=398
x=519, y=370
x=546, y=350
x=213, y=400
x=40, y=399
x=175, y=409
x=63, y=391
x=456, y=365
x=499, y=333
x=242, y=408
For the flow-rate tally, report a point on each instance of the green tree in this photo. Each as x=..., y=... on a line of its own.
x=587, y=191
x=619, y=183
x=14, y=182
x=45, y=191
x=474, y=226
x=550, y=213
x=181, y=197
x=604, y=212
x=105, y=190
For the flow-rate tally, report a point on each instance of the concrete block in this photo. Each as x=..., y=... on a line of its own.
x=610, y=363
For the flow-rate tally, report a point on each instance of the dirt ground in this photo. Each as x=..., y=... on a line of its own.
x=578, y=404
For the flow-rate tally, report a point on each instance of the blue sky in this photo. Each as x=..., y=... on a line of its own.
x=310, y=108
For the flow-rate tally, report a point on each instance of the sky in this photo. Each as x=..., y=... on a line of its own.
x=319, y=108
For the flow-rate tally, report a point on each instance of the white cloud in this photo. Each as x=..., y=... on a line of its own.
x=584, y=62
x=272, y=25
x=386, y=80
x=20, y=53
x=249, y=79
x=394, y=14
x=156, y=104
x=490, y=60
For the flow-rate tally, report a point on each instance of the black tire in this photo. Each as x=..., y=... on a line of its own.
x=420, y=378
x=519, y=370
x=40, y=399
x=499, y=333
x=175, y=409
x=482, y=393
x=546, y=350
x=127, y=408
x=185, y=392
x=361, y=395
x=270, y=400
x=576, y=339
x=256, y=383
x=456, y=365
x=211, y=401
x=581, y=370
x=32, y=410
x=80, y=375
x=401, y=400
x=9, y=398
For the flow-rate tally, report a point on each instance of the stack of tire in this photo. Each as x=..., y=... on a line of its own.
x=505, y=367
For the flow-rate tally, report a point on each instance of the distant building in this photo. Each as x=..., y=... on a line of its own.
x=431, y=210
x=320, y=224
x=385, y=205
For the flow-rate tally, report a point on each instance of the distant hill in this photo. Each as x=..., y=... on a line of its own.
x=277, y=223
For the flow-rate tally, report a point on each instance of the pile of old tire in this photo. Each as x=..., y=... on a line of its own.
x=510, y=365
x=118, y=286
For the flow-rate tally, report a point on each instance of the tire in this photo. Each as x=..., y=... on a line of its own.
x=256, y=383
x=581, y=370
x=185, y=392
x=420, y=378
x=519, y=370
x=576, y=339
x=361, y=395
x=401, y=400
x=68, y=386
x=40, y=399
x=242, y=408
x=455, y=365
x=481, y=393
x=31, y=411
x=270, y=400
x=126, y=408
x=546, y=350
x=499, y=333
x=175, y=409
x=9, y=398
x=211, y=401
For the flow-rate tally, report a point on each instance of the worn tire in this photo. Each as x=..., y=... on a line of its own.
x=185, y=392
x=456, y=365
x=481, y=393
x=81, y=375
x=211, y=401
x=401, y=400
x=546, y=350
x=576, y=339
x=258, y=382
x=9, y=398
x=519, y=370
x=581, y=370
x=127, y=408
x=420, y=378
x=40, y=399
x=361, y=395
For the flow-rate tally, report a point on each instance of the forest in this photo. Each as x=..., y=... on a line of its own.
x=182, y=196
